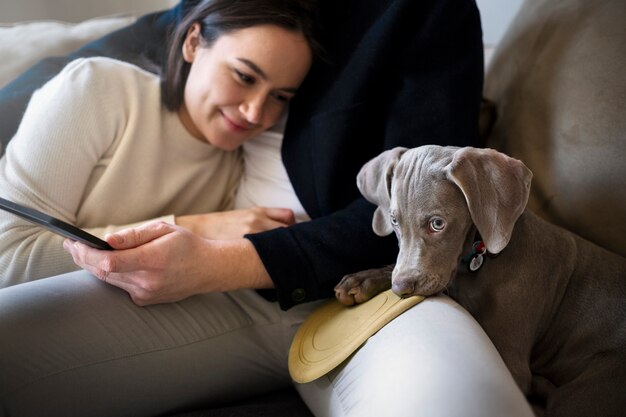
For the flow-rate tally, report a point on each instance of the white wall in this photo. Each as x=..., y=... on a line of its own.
x=496, y=16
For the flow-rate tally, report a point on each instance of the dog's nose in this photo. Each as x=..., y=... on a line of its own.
x=416, y=283
x=403, y=289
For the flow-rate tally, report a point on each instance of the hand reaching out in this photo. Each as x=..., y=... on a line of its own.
x=234, y=224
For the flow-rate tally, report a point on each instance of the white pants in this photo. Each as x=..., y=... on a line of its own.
x=73, y=346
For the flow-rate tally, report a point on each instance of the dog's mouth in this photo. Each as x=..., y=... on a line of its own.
x=425, y=286
x=419, y=283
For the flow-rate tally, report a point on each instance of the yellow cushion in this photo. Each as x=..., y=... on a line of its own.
x=333, y=332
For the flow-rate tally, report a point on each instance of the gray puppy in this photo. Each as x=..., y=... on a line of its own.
x=553, y=303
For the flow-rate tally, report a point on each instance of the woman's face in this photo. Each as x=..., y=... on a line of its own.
x=240, y=86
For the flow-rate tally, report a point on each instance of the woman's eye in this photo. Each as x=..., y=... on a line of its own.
x=282, y=98
x=437, y=224
x=245, y=78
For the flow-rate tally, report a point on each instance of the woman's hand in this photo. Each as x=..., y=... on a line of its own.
x=158, y=262
x=236, y=223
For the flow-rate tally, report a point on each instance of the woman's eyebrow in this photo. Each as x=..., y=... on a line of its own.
x=254, y=67
x=258, y=71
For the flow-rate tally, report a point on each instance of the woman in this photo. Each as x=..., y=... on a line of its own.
x=102, y=148
x=227, y=342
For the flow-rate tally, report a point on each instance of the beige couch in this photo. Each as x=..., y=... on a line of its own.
x=558, y=80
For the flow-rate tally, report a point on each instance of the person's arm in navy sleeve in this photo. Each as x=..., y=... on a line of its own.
x=426, y=90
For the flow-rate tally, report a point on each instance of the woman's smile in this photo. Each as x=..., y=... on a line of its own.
x=235, y=126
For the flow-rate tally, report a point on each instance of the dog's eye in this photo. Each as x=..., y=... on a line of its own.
x=393, y=219
x=437, y=224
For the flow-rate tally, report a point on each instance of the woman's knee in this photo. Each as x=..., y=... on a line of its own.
x=433, y=358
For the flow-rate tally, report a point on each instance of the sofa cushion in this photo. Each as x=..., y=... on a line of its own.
x=558, y=80
x=25, y=43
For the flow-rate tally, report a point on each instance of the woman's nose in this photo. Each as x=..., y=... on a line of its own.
x=252, y=108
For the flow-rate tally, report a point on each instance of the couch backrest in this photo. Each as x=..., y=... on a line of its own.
x=75, y=10
x=559, y=82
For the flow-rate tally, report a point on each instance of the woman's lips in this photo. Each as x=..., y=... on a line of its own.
x=235, y=126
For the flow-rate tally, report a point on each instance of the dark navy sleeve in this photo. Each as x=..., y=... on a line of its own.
x=409, y=73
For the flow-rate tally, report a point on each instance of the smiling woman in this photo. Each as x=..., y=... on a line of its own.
x=114, y=132
x=239, y=86
x=231, y=69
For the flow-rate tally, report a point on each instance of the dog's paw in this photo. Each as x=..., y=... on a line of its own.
x=361, y=286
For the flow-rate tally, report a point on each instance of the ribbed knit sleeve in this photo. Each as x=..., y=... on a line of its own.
x=96, y=148
x=47, y=165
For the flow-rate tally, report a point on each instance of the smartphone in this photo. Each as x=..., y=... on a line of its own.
x=54, y=225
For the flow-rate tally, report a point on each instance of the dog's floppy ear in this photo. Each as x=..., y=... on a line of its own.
x=374, y=182
x=496, y=188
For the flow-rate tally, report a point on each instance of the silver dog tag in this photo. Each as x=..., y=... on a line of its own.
x=476, y=262
x=476, y=258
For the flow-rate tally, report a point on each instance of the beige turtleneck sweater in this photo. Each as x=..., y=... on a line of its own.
x=97, y=149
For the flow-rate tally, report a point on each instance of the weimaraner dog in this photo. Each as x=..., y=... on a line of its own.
x=553, y=304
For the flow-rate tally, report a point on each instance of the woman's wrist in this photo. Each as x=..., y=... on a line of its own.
x=235, y=264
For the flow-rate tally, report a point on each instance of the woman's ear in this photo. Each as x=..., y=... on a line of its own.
x=191, y=43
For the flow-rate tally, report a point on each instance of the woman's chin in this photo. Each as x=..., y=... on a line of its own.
x=226, y=144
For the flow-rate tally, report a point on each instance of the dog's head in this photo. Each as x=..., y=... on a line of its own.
x=431, y=196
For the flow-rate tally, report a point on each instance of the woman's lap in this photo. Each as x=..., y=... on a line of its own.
x=433, y=360
x=75, y=346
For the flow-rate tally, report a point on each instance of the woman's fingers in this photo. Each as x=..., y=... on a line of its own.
x=163, y=269
x=102, y=263
x=234, y=224
x=137, y=236
x=281, y=215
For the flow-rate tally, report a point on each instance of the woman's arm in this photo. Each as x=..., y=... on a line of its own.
x=140, y=43
x=47, y=167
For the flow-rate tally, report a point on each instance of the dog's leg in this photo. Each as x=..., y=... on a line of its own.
x=598, y=391
x=361, y=286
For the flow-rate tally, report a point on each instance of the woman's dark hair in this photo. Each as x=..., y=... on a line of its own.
x=219, y=17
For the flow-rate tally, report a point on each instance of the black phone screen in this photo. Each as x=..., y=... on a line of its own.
x=54, y=225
